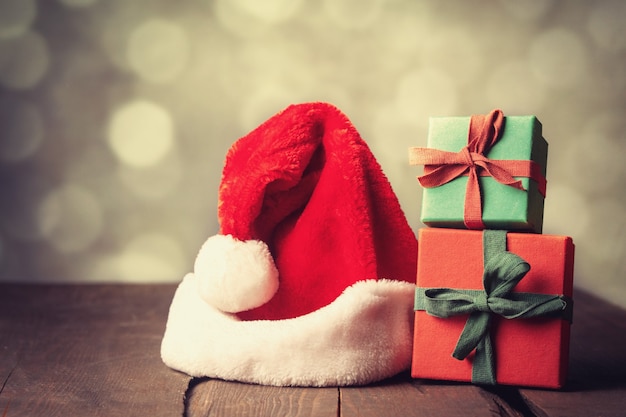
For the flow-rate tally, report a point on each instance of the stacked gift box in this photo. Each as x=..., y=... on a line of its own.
x=493, y=296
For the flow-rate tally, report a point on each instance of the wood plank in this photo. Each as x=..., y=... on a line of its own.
x=597, y=382
x=211, y=397
x=94, y=350
x=86, y=350
x=402, y=396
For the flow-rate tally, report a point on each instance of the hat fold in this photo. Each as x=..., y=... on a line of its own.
x=363, y=336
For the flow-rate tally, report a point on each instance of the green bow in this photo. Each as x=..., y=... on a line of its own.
x=502, y=271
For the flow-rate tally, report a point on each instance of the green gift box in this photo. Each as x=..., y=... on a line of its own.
x=517, y=148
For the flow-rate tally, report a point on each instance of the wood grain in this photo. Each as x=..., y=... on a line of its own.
x=399, y=396
x=402, y=396
x=86, y=350
x=222, y=398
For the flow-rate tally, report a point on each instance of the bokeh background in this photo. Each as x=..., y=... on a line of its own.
x=115, y=115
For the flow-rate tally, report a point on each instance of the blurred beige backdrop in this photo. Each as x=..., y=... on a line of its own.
x=115, y=115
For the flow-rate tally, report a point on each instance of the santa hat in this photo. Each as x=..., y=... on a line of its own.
x=310, y=280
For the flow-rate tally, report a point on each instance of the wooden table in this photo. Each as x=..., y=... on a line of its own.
x=93, y=350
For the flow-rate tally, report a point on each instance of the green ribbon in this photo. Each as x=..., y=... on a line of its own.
x=502, y=271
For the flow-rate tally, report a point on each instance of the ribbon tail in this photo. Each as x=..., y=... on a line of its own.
x=476, y=327
x=484, y=366
x=501, y=175
x=473, y=211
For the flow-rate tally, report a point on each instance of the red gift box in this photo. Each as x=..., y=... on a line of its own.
x=528, y=351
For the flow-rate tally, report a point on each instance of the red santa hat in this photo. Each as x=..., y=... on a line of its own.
x=310, y=280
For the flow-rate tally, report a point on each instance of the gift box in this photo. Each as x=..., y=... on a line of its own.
x=524, y=349
x=509, y=163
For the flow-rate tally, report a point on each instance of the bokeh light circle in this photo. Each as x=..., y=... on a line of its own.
x=600, y=148
x=148, y=257
x=24, y=60
x=269, y=11
x=16, y=16
x=558, y=58
x=141, y=133
x=158, y=50
x=78, y=3
x=606, y=25
x=528, y=9
x=152, y=183
x=354, y=14
x=237, y=20
x=513, y=88
x=22, y=129
x=263, y=103
x=70, y=218
x=424, y=93
x=456, y=53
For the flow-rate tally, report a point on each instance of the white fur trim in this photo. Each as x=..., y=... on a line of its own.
x=363, y=336
x=235, y=275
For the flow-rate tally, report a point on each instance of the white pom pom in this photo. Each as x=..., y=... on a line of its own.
x=235, y=275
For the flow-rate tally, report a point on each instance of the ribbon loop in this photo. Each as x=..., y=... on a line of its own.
x=503, y=270
x=502, y=273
